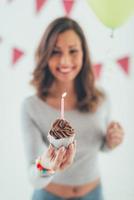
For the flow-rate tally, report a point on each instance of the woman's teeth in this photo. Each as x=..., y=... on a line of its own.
x=65, y=70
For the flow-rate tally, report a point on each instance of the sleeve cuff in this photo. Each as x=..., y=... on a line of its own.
x=105, y=147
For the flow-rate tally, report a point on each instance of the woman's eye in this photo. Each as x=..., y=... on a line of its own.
x=73, y=51
x=55, y=52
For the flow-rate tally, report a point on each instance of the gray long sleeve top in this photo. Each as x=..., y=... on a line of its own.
x=90, y=128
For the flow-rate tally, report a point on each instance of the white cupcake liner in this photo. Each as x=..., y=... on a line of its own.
x=60, y=142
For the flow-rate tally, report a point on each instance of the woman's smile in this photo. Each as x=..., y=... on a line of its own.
x=65, y=70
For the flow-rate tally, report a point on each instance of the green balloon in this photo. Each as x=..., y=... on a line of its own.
x=113, y=13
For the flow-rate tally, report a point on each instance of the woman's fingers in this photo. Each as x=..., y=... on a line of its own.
x=117, y=140
x=47, y=156
x=50, y=150
x=115, y=136
x=59, y=157
x=113, y=124
x=69, y=156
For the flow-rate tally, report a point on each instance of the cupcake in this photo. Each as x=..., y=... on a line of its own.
x=61, y=133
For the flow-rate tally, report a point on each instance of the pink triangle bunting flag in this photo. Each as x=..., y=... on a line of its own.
x=124, y=64
x=68, y=4
x=16, y=55
x=39, y=5
x=97, y=69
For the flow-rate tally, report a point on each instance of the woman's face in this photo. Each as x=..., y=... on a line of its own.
x=67, y=57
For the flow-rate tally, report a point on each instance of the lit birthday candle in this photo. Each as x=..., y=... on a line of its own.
x=62, y=104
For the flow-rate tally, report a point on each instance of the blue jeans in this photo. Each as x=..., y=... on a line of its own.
x=95, y=194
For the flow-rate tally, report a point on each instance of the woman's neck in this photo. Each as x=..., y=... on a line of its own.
x=56, y=92
x=58, y=89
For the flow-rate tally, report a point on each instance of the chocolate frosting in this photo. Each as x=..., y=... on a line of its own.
x=61, y=129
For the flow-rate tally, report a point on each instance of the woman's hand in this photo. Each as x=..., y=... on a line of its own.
x=114, y=135
x=59, y=159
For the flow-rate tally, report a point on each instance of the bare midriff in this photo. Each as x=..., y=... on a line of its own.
x=67, y=191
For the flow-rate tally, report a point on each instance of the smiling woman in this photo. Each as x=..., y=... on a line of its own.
x=63, y=64
x=63, y=54
x=67, y=56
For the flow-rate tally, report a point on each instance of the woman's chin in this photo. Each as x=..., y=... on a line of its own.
x=65, y=80
x=65, y=77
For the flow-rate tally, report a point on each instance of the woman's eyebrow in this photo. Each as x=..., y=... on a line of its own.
x=70, y=46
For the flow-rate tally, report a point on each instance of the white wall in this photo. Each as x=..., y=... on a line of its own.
x=21, y=27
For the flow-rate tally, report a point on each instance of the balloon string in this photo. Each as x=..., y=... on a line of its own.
x=112, y=33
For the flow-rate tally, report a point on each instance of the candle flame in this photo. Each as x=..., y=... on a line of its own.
x=64, y=94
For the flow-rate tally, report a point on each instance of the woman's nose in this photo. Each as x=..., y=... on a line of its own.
x=65, y=61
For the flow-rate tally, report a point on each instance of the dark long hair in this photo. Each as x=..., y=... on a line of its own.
x=88, y=95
